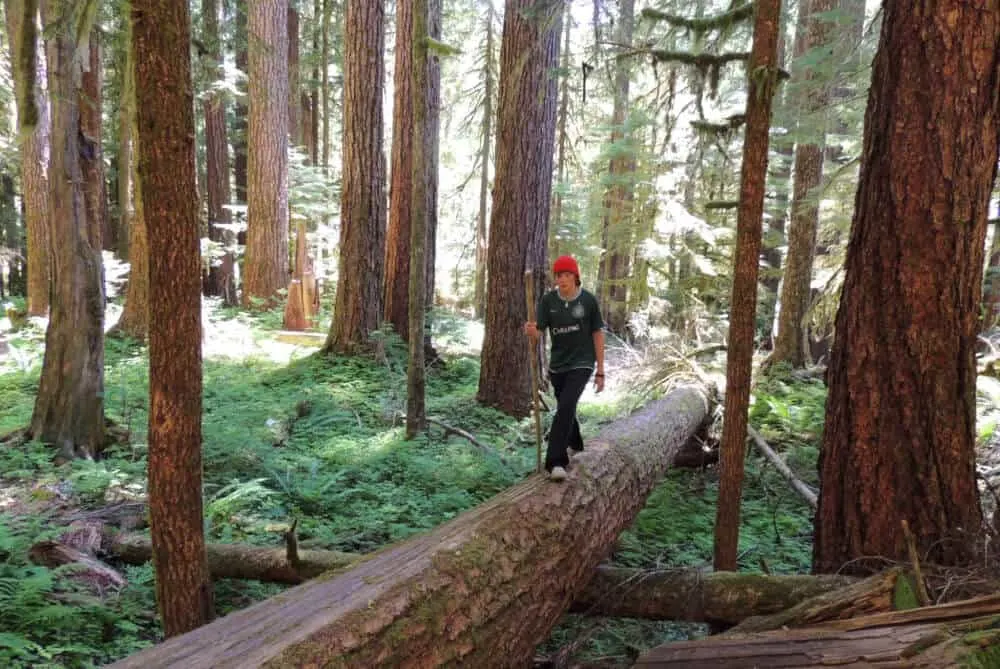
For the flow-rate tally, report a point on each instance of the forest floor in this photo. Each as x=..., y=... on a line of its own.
x=289, y=435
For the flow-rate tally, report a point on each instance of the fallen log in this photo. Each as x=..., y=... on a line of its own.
x=259, y=563
x=931, y=637
x=683, y=595
x=871, y=595
x=807, y=493
x=693, y=596
x=481, y=590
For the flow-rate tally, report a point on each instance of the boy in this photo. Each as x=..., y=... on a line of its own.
x=573, y=318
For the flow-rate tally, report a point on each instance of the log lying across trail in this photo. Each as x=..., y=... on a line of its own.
x=480, y=591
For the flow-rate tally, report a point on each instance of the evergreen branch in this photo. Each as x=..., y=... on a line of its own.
x=702, y=25
x=722, y=204
x=699, y=59
x=732, y=123
x=439, y=48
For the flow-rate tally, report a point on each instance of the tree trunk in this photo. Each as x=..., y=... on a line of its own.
x=899, y=439
x=432, y=137
x=723, y=597
x=166, y=157
x=362, y=220
x=241, y=112
x=69, y=408
x=325, y=85
x=743, y=303
x=266, y=264
x=294, y=118
x=421, y=148
x=398, y=252
x=480, y=591
x=92, y=159
x=126, y=121
x=221, y=278
x=34, y=154
x=991, y=286
x=522, y=194
x=617, y=230
x=134, y=321
x=812, y=95
x=489, y=65
x=310, y=98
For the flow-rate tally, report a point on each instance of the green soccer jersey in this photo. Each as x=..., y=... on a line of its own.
x=571, y=324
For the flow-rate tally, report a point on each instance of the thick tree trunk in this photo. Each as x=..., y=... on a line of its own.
x=397, y=244
x=294, y=117
x=358, y=304
x=899, y=439
x=166, y=158
x=480, y=591
x=266, y=264
x=221, y=277
x=421, y=146
x=743, y=303
x=126, y=148
x=489, y=93
x=618, y=225
x=812, y=96
x=134, y=320
x=69, y=408
x=241, y=111
x=717, y=597
x=34, y=153
x=522, y=194
x=92, y=160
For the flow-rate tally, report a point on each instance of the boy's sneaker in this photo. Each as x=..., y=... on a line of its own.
x=574, y=452
x=557, y=474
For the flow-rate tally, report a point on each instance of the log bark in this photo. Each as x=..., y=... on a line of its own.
x=688, y=595
x=260, y=563
x=872, y=595
x=930, y=637
x=481, y=591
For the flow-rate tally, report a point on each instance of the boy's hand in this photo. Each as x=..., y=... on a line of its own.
x=599, y=381
x=531, y=329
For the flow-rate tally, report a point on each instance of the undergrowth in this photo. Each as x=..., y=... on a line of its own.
x=320, y=441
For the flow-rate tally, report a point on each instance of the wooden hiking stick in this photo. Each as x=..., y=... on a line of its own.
x=529, y=291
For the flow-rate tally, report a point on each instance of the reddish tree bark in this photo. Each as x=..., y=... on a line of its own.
x=362, y=221
x=899, y=440
x=165, y=115
x=266, y=263
x=522, y=193
x=763, y=81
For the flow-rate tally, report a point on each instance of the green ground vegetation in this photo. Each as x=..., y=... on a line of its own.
x=320, y=441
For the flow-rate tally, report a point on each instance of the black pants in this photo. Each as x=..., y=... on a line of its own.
x=565, y=432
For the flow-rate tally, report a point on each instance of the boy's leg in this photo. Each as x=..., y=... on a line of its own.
x=568, y=387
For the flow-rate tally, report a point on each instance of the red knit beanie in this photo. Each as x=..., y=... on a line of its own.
x=566, y=264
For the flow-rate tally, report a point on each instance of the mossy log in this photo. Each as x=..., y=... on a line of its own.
x=932, y=637
x=262, y=563
x=871, y=595
x=480, y=591
x=716, y=597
